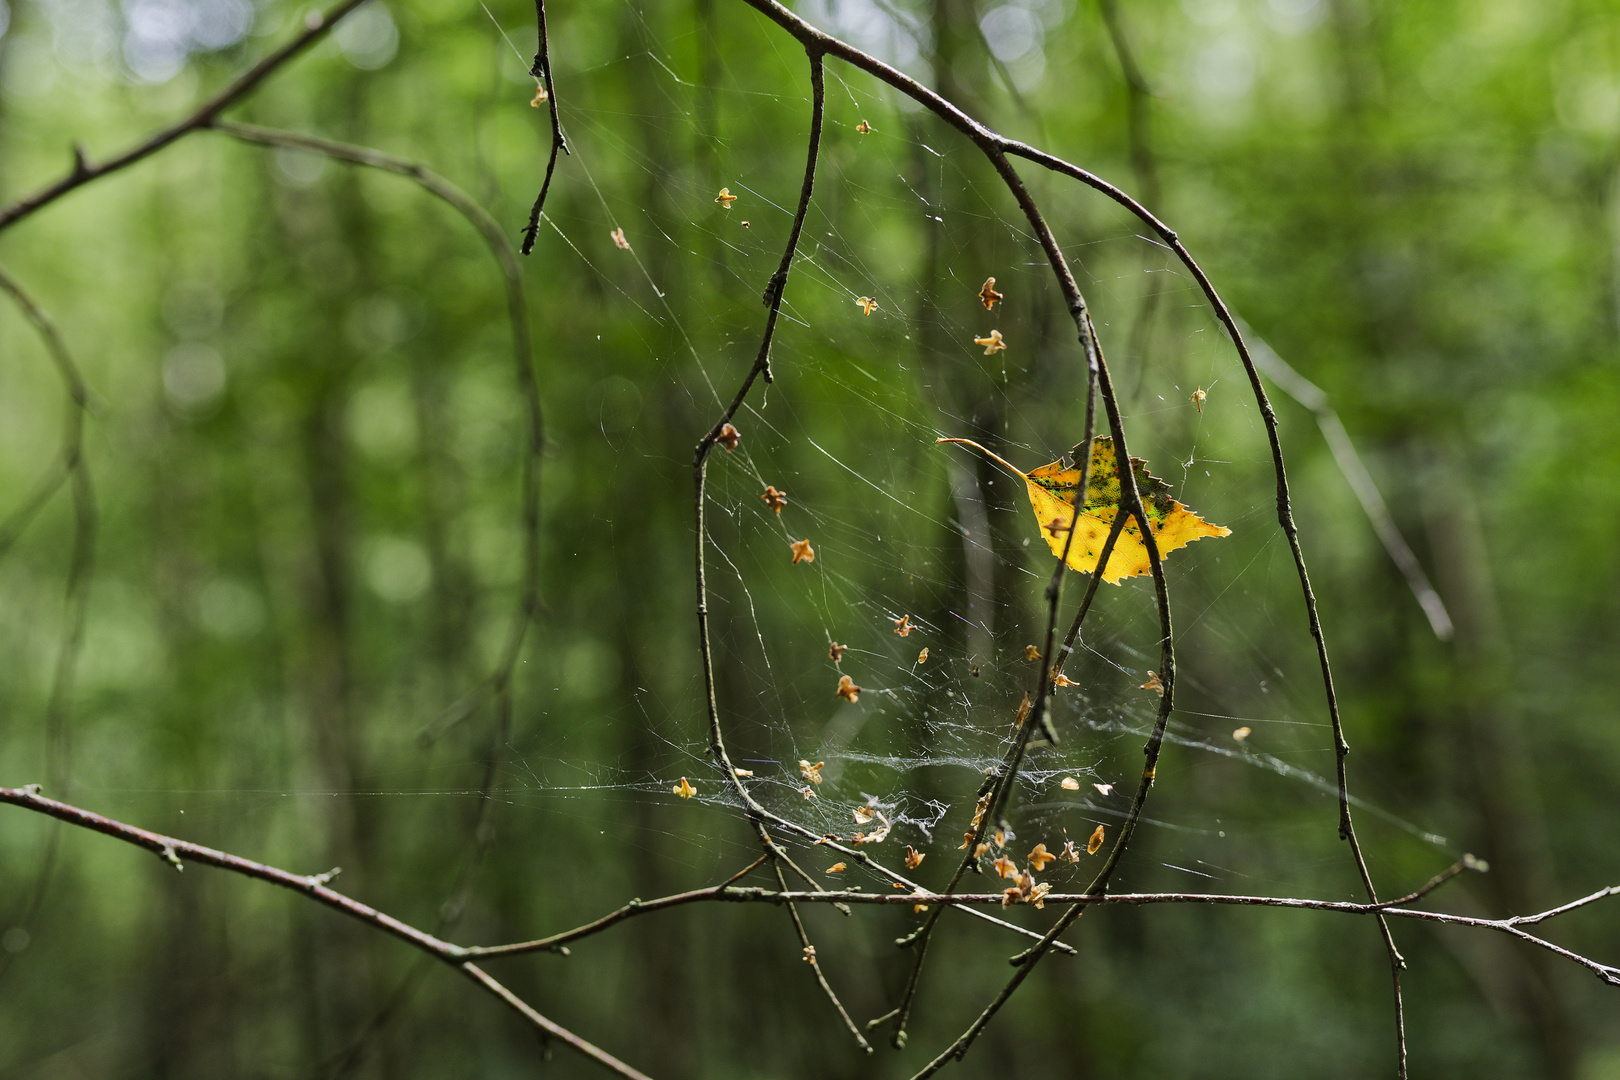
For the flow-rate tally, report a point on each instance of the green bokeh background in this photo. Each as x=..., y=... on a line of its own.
x=305, y=442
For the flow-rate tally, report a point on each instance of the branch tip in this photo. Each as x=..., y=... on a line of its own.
x=317, y=881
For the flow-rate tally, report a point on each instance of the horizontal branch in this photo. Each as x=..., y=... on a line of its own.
x=557, y=943
x=1608, y=973
x=177, y=852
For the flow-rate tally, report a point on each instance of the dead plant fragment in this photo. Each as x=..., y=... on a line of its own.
x=993, y=344
x=988, y=295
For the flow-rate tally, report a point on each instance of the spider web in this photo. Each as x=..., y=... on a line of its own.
x=642, y=348
x=928, y=568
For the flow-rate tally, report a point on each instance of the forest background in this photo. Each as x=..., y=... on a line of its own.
x=265, y=613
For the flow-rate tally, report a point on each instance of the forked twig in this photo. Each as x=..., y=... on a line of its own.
x=558, y=943
x=178, y=852
x=761, y=367
x=316, y=24
x=815, y=965
x=541, y=69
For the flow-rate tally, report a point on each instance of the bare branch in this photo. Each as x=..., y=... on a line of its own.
x=700, y=456
x=815, y=965
x=541, y=69
x=316, y=24
x=558, y=943
x=177, y=852
x=1467, y=862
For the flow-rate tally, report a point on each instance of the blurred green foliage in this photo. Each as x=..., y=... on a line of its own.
x=304, y=439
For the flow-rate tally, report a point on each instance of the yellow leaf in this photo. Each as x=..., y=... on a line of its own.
x=1052, y=491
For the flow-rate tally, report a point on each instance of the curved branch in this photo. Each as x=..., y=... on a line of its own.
x=522, y=366
x=70, y=468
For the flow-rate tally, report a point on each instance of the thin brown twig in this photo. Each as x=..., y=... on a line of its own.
x=1467, y=862
x=316, y=24
x=178, y=852
x=700, y=456
x=1608, y=973
x=558, y=943
x=541, y=69
x=815, y=964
